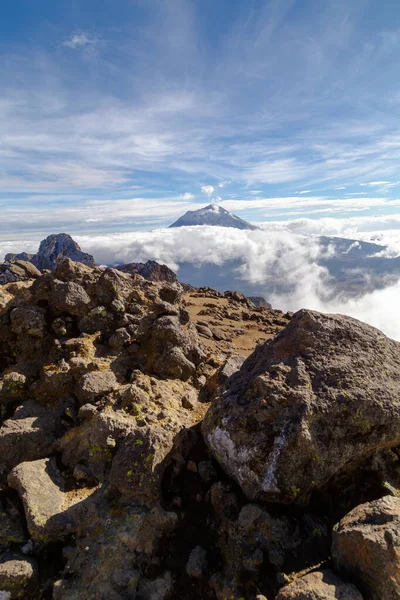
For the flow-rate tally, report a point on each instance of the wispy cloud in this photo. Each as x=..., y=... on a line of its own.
x=79, y=40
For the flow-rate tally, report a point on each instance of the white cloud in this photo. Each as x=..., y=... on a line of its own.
x=280, y=254
x=187, y=196
x=207, y=189
x=79, y=40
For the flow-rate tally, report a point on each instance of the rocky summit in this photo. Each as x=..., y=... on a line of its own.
x=52, y=251
x=159, y=441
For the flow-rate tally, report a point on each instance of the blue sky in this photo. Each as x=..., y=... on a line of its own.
x=121, y=115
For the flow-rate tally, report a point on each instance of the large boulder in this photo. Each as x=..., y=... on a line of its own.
x=49, y=508
x=366, y=547
x=312, y=403
x=320, y=585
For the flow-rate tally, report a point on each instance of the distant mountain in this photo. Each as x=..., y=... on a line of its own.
x=53, y=250
x=213, y=214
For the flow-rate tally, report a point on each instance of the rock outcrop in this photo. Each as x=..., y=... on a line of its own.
x=312, y=403
x=52, y=251
x=151, y=270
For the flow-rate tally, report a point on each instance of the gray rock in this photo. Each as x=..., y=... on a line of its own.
x=366, y=547
x=310, y=404
x=69, y=297
x=95, y=384
x=29, y=434
x=47, y=507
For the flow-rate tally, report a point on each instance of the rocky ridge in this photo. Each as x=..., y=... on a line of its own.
x=160, y=442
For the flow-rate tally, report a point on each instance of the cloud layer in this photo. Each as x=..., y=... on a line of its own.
x=275, y=255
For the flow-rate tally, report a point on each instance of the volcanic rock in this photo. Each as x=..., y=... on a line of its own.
x=320, y=397
x=366, y=547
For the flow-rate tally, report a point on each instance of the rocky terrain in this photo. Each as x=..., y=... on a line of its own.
x=163, y=442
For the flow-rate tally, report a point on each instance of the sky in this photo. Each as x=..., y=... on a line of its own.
x=117, y=116
x=120, y=115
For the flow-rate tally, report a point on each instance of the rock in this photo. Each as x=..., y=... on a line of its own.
x=150, y=270
x=47, y=507
x=306, y=406
x=29, y=320
x=17, y=270
x=53, y=250
x=197, y=563
x=204, y=331
x=366, y=547
x=18, y=575
x=160, y=588
x=12, y=387
x=11, y=527
x=119, y=338
x=207, y=472
x=29, y=434
x=259, y=301
x=69, y=297
x=98, y=319
x=93, y=385
x=87, y=411
x=320, y=585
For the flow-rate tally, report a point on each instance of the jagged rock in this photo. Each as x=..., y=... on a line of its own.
x=315, y=401
x=18, y=575
x=17, y=270
x=150, y=270
x=52, y=251
x=320, y=585
x=366, y=547
x=98, y=319
x=47, y=506
x=29, y=434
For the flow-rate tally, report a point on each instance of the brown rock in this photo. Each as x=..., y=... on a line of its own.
x=366, y=547
x=320, y=585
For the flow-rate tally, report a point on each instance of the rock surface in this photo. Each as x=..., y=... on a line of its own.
x=366, y=547
x=321, y=585
x=318, y=399
x=108, y=490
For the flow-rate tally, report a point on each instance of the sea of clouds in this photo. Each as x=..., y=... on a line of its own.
x=285, y=251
